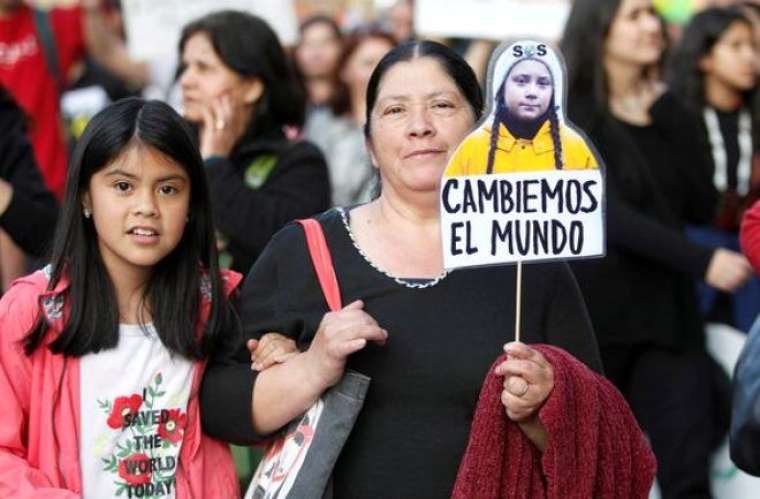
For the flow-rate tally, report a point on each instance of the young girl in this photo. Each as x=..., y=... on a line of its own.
x=102, y=352
x=714, y=72
x=526, y=129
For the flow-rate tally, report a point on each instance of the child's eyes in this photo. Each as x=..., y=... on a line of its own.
x=122, y=186
x=168, y=190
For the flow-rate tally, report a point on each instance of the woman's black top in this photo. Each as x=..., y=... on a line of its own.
x=262, y=186
x=444, y=334
x=643, y=292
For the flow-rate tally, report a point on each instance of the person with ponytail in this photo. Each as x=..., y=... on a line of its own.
x=526, y=130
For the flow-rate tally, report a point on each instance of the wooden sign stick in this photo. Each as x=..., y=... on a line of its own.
x=518, y=301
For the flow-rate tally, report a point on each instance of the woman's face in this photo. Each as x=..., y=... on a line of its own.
x=419, y=118
x=318, y=53
x=206, y=78
x=528, y=90
x=636, y=36
x=358, y=68
x=732, y=61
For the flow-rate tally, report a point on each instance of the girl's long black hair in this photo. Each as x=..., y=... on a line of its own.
x=173, y=293
x=687, y=80
x=502, y=115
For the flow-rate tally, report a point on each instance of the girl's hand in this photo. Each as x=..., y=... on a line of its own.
x=270, y=349
x=339, y=335
x=528, y=381
x=223, y=125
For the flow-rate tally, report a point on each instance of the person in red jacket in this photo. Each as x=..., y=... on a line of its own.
x=37, y=54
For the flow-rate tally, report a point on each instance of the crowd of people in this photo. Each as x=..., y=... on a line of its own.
x=159, y=304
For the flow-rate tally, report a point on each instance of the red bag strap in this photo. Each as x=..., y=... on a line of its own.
x=322, y=260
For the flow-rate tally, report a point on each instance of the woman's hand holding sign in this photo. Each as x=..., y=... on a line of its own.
x=528, y=381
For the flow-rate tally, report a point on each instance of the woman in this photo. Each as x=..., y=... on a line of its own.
x=316, y=58
x=532, y=132
x=714, y=72
x=240, y=92
x=641, y=296
x=337, y=128
x=426, y=338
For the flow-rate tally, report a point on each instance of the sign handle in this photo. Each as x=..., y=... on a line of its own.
x=518, y=300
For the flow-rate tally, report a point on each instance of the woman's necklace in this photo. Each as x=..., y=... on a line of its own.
x=718, y=147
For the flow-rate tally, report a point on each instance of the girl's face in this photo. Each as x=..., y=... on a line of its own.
x=635, y=36
x=139, y=204
x=206, y=78
x=419, y=118
x=318, y=53
x=358, y=68
x=732, y=61
x=528, y=90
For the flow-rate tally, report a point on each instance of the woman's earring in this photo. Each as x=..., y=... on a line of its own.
x=86, y=212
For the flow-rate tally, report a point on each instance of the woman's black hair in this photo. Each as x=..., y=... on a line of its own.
x=502, y=115
x=174, y=291
x=582, y=45
x=249, y=47
x=685, y=78
x=450, y=61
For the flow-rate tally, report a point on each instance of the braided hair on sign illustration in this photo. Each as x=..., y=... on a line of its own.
x=526, y=129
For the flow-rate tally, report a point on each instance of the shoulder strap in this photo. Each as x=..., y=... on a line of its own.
x=47, y=40
x=322, y=260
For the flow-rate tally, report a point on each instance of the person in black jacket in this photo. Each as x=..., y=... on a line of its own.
x=241, y=93
x=713, y=71
x=28, y=210
x=641, y=296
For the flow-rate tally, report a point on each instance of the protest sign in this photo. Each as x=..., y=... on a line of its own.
x=153, y=28
x=525, y=185
x=491, y=19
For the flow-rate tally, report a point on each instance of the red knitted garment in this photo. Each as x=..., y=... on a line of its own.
x=595, y=448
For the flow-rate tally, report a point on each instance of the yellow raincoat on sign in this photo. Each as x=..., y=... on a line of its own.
x=519, y=155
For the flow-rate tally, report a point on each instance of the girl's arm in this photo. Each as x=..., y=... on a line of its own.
x=18, y=478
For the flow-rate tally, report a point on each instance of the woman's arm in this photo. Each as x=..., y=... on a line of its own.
x=239, y=405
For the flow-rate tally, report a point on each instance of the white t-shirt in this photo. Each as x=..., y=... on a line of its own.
x=133, y=416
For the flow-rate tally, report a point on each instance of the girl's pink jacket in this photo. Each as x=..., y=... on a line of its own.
x=39, y=408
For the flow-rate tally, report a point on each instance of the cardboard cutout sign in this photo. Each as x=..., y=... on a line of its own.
x=525, y=185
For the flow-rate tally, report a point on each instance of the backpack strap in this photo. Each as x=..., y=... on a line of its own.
x=47, y=41
x=322, y=261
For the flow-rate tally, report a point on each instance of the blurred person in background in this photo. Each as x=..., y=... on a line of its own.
x=38, y=51
x=28, y=210
x=714, y=72
x=401, y=20
x=316, y=59
x=641, y=296
x=752, y=11
x=240, y=92
x=337, y=129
